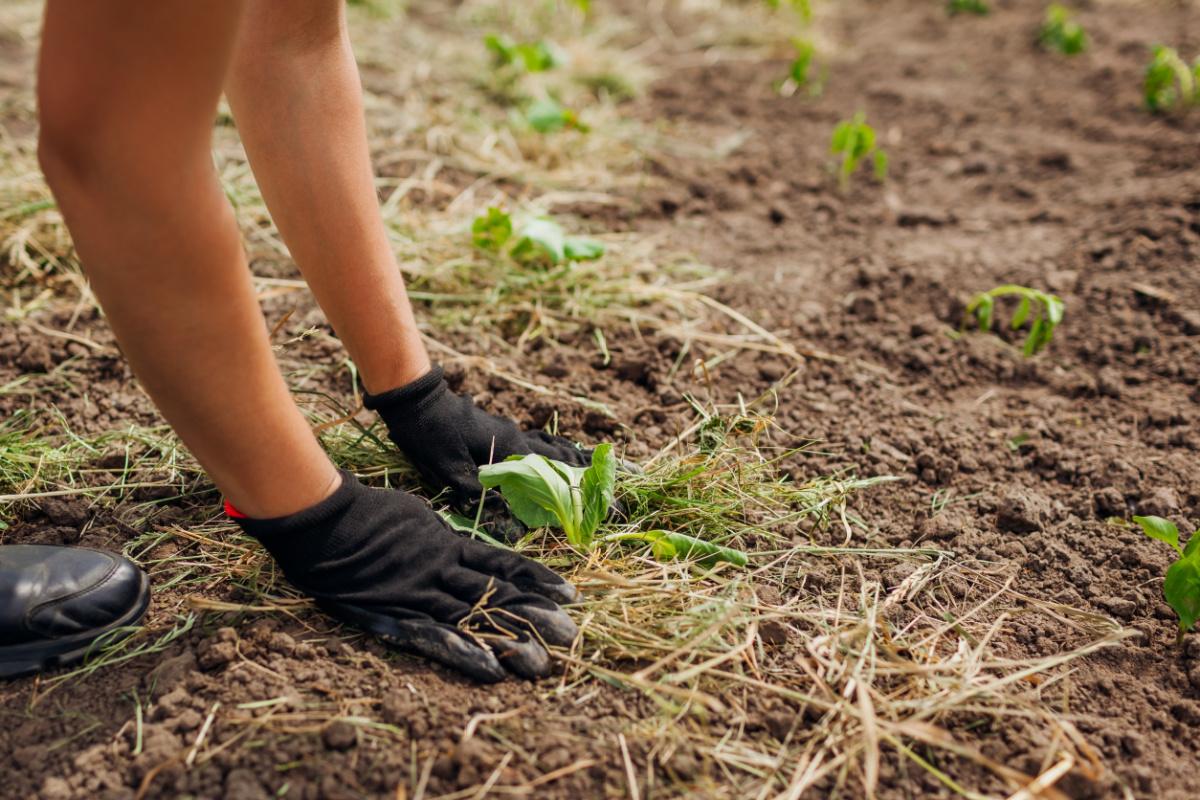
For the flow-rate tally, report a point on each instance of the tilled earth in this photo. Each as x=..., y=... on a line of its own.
x=1008, y=165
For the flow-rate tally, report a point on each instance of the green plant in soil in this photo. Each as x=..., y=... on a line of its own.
x=800, y=71
x=1181, y=585
x=1169, y=82
x=547, y=115
x=854, y=141
x=1042, y=311
x=1061, y=33
x=977, y=7
x=802, y=7
x=544, y=493
x=536, y=241
x=536, y=56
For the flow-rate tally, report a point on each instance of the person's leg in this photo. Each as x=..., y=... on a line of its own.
x=297, y=99
x=128, y=91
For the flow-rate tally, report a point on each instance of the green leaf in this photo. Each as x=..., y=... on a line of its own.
x=1193, y=545
x=1022, y=313
x=577, y=248
x=541, y=238
x=668, y=545
x=547, y=115
x=1160, y=529
x=597, y=488
x=1182, y=590
x=881, y=165
x=983, y=312
x=1034, y=341
x=535, y=491
x=501, y=46
x=491, y=229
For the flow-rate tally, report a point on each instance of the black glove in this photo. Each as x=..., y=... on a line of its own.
x=384, y=562
x=447, y=438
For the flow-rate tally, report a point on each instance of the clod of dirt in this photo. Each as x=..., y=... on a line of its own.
x=55, y=788
x=772, y=631
x=219, y=650
x=1109, y=502
x=1119, y=607
x=243, y=784
x=1162, y=502
x=71, y=513
x=171, y=673
x=1022, y=512
x=598, y=424
x=779, y=724
x=339, y=735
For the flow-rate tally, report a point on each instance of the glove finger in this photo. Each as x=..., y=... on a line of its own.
x=558, y=448
x=553, y=626
x=523, y=656
x=524, y=573
x=445, y=645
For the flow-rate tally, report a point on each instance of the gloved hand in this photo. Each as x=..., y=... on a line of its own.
x=384, y=562
x=447, y=438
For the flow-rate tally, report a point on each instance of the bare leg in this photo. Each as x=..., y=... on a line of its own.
x=128, y=90
x=296, y=96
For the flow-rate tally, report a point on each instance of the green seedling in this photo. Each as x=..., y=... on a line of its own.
x=536, y=56
x=977, y=7
x=1170, y=82
x=1181, y=586
x=543, y=493
x=801, y=71
x=1061, y=33
x=1042, y=311
x=802, y=7
x=539, y=240
x=854, y=141
x=547, y=115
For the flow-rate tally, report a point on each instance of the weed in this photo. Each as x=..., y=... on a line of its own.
x=1042, y=311
x=1170, y=82
x=854, y=140
x=536, y=56
x=1181, y=585
x=977, y=7
x=1061, y=33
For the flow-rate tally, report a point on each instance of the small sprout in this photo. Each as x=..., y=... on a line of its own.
x=854, y=140
x=1181, y=586
x=802, y=7
x=539, y=240
x=547, y=115
x=491, y=229
x=1061, y=33
x=979, y=8
x=1043, y=312
x=1170, y=82
x=800, y=72
x=536, y=56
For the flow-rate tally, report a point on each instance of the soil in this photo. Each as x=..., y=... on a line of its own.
x=1008, y=165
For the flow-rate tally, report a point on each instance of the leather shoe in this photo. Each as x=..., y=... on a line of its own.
x=56, y=602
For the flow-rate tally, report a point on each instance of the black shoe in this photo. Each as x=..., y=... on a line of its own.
x=56, y=602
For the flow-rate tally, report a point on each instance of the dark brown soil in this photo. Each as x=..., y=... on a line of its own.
x=1008, y=165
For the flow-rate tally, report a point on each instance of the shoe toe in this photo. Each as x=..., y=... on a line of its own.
x=86, y=590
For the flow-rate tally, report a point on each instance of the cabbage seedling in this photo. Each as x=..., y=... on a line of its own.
x=1170, y=82
x=544, y=493
x=854, y=140
x=1043, y=312
x=800, y=72
x=537, y=240
x=1061, y=33
x=1181, y=586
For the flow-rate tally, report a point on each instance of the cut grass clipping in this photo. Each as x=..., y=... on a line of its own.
x=1042, y=311
x=1181, y=586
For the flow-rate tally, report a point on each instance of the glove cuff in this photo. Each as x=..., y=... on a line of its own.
x=300, y=537
x=411, y=395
